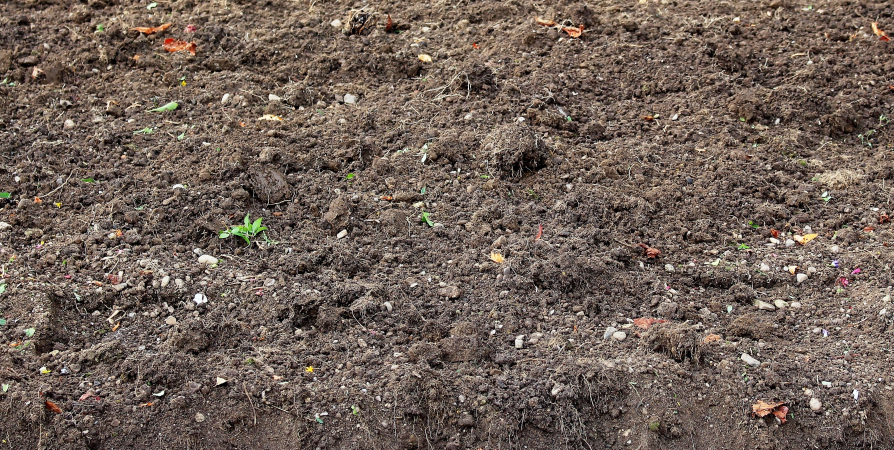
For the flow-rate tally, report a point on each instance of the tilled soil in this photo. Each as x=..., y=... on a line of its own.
x=466, y=211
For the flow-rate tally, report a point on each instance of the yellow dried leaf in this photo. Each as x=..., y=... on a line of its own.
x=270, y=117
x=806, y=238
x=497, y=258
x=425, y=58
x=792, y=269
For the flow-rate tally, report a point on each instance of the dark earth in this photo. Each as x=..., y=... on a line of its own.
x=456, y=247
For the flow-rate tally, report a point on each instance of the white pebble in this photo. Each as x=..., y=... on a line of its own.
x=835, y=249
x=336, y=23
x=341, y=234
x=619, y=336
x=816, y=405
x=609, y=332
x=669, y=267
x=520, y=341
x=764, y=267
x=350, y=99
x=225, y=99
x=801, y=277
x=789, y=242
x=774, y=241
x=171, y=320
x=208, y=260
x=274, y=98
x=748, y=359
x=68, y=124
x=388, y=306
x=200, y=298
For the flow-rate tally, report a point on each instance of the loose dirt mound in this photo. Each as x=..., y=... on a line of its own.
x=458, y=203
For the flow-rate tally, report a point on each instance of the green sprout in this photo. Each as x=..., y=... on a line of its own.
x=147, y=130
x=349, y=177
x=5, y=194
x=653, y=426
x=753, y=225
x=426, y=218
x=29, y=332
x=88, y=180
x=826, y=196
x=181, y=136
x=248, y=230
x=6, y=82
x=743, y=246
x=355, y=410
x=100, y=28
x=166, y=107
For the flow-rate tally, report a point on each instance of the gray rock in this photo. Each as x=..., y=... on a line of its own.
x=520, y=341
x=200, y=417
x=451, y=292
x=748, y=359
x=816, y=405
x=68, y=124
x=609, y=332
x=165, y=281
x=208, y=260
x=350, y=99
x=619, y=336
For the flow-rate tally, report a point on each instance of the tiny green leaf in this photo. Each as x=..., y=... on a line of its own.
x=166, y=107
x=5, y=194
x=88, y=180
x=181, y=136
x=2, y=322
x=100, y=28
x=151, y=5
x=729, y=309
x=29, y=332
x=349, y=176
x=319, y=419
x=5, y=387
x=2, y=288
x=147, y=130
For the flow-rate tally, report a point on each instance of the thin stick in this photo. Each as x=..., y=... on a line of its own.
x=60, y=186
x=253, y=414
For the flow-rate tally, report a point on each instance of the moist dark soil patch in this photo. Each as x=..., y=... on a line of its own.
x=455, y=198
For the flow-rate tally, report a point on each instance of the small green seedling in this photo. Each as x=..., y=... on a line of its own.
x=654, y=426
x=147, y=130
x=349, y=177
x=100, y=28
x=5, y=194
x=88, y=180
x=2, y=288
x=181, y=136
x=423, y=190
x=426, y=218
x=753, y=225
x=355, y=410
x=826, y=196
x=29, y=332
x=729, y=309
x=743, y=246
x=249, y=230
x=166, y=107
x=6, y=82
x=5, y=387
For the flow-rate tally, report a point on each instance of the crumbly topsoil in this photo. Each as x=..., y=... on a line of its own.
x=453, y=255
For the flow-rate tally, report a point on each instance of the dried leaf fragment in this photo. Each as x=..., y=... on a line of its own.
x=53, y=407
x=574, y=33
x=711, y=338
x=425, y=58
x=174, y=45
x=881, y=34
x=545, y=22
x=646, y=322
x=270, y=117
x=152, y=30
x=650, y=252
x=778, y=409
x=497, y=258
x=805, y=239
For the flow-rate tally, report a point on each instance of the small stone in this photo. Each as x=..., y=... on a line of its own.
x=388, y=306
x=669, y=267
x=817, y=330
x=834, y=249
x=165, y=281
x=225, y=99
x=274, y=98
x=350, y=99
x=885, y=299
x=335, y=23
x=179, y=283
x=748, y=359
x=764, y=305
x=171, y=320
x=795, y=305
x=609, y=332
x=780, y=303
x=774, y=241
x=451, y=292
x=341, y=234
x=816, y=405
x=200, y=417
x=811, y=270
x=119, y=287
x=200, y=299
x=789, y=242
x=4, y=225
x=208, y=260
x=68, y=124
x=801, y=277
x=520, y=341
x=619, y=336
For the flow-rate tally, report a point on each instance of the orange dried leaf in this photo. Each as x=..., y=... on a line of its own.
x=37, y=200
x=881, y=34
x=781, y=412
x=884, y=218
x=775, y=233
x=646, y=322
x=497, y=258
x=545, y=22
x=869, y=229
x=387, y=198
x=762, y=408
x=117, y=325
x=711, y=338
x=152, y=30
x=805, y=239
x=574, y=33
x=649, y=118
x=15, y=344
x=539, y=232
x=792, y=269
x=389, y=27
x=52, y=407
x=36, y=72
x=173, y=45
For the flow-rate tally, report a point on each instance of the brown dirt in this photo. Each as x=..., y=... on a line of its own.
x=766, y=115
